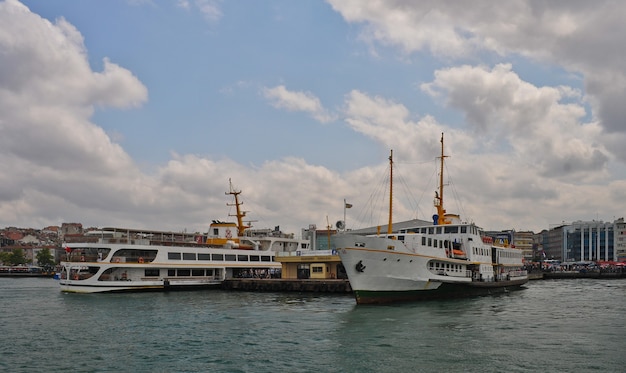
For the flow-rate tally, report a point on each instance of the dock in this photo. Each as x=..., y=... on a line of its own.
x=589, y=274
x=339, y=286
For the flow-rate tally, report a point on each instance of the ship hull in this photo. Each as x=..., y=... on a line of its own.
x=444, y=291
x=382, y=270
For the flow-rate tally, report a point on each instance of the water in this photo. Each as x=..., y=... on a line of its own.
x=552, y=326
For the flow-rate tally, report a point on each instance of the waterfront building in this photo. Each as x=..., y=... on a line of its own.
x=553, y=243
x=619, y=233
x=321, y=262
x=523, y=240
x=589, y=241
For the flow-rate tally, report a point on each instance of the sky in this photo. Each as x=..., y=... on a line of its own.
x=139, y=113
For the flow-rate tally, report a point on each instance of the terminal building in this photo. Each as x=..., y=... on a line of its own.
x=586, y=241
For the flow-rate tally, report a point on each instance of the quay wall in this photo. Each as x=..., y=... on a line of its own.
x=287, y=285
x=591, y=274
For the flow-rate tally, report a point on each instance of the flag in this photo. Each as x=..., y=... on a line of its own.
x=348, y=205
x=67, y=249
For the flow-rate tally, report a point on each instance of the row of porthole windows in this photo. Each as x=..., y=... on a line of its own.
x=447, y=229
x=510, y=254
x=183, y=272
x=481, y=251
x=219, y=257
x=433, y=242
x=448, y=267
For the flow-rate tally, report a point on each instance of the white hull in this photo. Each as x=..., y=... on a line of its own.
x=71, y=286
x=154, y=267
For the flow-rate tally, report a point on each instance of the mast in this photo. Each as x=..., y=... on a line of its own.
x=389, y=227
x=441, y=212
x=239, y=214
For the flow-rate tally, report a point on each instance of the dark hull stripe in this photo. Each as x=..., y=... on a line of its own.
x=445, y=291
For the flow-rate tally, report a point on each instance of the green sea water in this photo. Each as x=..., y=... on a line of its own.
x=551, y=326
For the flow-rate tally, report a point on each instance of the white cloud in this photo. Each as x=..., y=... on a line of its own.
x=281, y=98
x=582, y=37
x=210, y=9
x=504, y=110
x=527, y=147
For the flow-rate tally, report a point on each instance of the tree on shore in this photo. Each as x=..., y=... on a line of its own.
x=45, y=259
x=16, y=257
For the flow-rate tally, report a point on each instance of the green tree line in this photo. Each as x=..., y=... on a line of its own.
x=17, y=257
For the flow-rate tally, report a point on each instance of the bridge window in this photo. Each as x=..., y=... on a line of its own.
x=173, y=256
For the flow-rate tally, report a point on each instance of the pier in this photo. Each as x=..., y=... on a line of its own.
x=288, y=285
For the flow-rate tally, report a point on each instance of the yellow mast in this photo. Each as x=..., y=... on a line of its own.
x=389, y=228
x=441, y=212
x=240, y=214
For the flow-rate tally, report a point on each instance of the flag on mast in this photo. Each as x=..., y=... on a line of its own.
x=348, y=205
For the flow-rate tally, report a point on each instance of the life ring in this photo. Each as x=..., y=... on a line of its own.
x=75, y=277
x=140, y=260
x=229, y=234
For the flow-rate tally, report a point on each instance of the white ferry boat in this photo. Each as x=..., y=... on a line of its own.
x=444, y=260
x=116, y=260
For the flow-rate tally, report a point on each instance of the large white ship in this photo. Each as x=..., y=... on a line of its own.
x=446, y=259
x=115, y=260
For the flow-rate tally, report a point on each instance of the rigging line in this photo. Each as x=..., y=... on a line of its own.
x=427, y=187
x=459, y=205
x=413, y=203
x=373, y=206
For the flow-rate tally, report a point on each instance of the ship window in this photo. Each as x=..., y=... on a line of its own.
x=216, y=232
x=439, y=230
x=218, y=256
x=254, y=258
x=424, y=241
x=152, y=272
x=173, y=256
x=317, y=269
x=209, y=272
x=230, y=257
x=453, y=229
x=189, y=256
x=401, y=238
x=463, y=229
x=430, y=241
x=171, y=272
x=197, y=272
x=203, y=256
x=266, y=258
x=184, y=272
x=242, y=258
x=431, y=230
